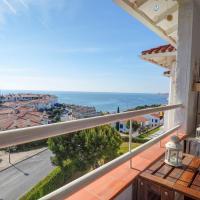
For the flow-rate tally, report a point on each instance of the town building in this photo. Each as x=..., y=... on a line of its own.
x=21, y=118
x=66, y=116
x=25, y=110
x=145, y=121
x=79, y=112
x=37, y=101
x=154, y=120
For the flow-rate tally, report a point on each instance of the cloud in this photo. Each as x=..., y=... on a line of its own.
x=8, y=7
x=16, y=7
x=23, y=3
x=45, y=9
x=11, y=8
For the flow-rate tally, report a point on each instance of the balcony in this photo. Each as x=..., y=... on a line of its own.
x=134, y=174
x=112, y=180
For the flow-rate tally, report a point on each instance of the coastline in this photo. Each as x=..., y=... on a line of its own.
x=103, y=101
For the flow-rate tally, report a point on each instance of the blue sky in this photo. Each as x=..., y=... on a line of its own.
x=75, y=45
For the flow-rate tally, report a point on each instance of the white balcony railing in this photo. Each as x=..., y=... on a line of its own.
x=20, y=136
x=30, y=134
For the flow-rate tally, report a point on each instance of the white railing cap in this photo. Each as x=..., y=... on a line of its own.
x=19, y=136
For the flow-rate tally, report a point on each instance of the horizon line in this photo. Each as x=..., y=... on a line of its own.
x=118, y=92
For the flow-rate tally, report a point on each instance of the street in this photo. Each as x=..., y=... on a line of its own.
x=18, y=179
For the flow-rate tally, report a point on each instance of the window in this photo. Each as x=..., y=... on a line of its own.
x=156, y=121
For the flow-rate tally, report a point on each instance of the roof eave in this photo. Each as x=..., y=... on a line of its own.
x=155, y=55
x=132, y=10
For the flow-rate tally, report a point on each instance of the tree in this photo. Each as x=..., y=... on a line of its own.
x=86, y=148
x=144, y=107
x=135, y=125
x=117, y=123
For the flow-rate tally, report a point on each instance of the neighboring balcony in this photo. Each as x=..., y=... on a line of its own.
x=115, y=179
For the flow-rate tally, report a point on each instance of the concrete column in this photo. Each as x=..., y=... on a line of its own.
x=169, y=115
x=187, y=56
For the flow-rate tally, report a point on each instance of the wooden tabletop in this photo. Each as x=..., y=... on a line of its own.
x=185, y=179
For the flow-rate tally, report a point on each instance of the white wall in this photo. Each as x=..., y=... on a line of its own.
x=153, y=123
x=188, y=54
x=124, y=128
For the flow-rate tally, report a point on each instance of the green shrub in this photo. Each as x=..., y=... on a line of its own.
x=148, y=133
x=140, y=140
x=56, y=179
x=136, y=140
x=29, y=146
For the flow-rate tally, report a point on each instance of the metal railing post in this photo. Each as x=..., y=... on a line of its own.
x=130, y=140
x=9, y=160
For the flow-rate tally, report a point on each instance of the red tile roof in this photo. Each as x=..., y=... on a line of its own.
x=156, y=115
x=160, y=49
x=6, y=111
x=139, y=119
x=25, y=117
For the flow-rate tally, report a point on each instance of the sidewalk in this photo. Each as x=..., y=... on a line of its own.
x=16, y=157
x=156, y=134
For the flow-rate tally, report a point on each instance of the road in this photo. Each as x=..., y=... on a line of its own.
x=19, y=178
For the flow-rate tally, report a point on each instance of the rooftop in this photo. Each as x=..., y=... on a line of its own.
x=23, y=117
x=160, y=49
x=164, y=56
x=139, y=119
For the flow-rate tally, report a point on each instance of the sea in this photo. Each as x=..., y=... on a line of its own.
x=102, y=101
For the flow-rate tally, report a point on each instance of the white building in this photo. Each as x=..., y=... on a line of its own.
x=66, y=116
x=150, y=121
x=142, y=120
x=154, y=120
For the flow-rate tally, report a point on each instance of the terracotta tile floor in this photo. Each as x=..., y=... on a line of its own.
x=115, y=181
